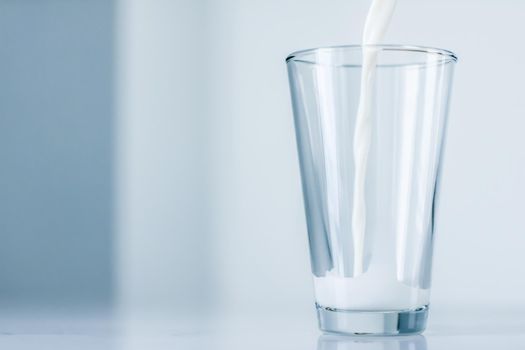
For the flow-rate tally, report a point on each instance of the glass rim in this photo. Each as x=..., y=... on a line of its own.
x=298, y=56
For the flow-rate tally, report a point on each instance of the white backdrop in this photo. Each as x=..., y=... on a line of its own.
x=259, y=223
x=254, y=252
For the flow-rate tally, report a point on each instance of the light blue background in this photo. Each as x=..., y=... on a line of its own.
x=56, y=151
x=148, y=157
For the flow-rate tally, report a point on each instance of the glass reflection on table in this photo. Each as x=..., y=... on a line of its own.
x=339, y=342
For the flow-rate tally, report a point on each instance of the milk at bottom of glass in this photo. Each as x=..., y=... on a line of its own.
x=376, y=289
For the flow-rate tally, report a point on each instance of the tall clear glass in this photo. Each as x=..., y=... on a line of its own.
x=370, y=183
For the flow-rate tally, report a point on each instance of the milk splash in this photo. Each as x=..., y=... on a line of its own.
x=376, y=25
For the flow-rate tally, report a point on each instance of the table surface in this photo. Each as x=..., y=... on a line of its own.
x=459, y=330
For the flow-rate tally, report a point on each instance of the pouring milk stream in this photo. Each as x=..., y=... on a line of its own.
x=367, y=284
x=376, y=25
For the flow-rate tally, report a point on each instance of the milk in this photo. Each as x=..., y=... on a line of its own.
x=376, y=290
x=373, y=287
x=375, y=29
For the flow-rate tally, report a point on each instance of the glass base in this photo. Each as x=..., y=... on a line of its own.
x=375, y=323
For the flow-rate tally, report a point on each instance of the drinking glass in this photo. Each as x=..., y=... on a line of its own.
x=370, y=183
